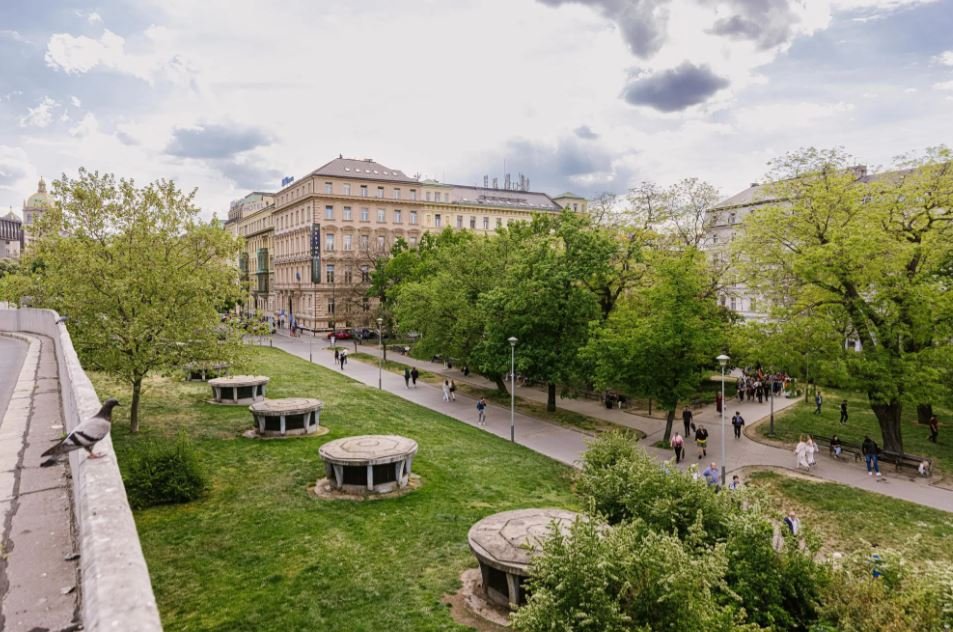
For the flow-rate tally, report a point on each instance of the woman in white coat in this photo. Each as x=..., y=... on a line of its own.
x=800, y=450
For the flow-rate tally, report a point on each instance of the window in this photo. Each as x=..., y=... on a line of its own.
x=347, y=188
x=363, y=190
x=473, y=221
x=714, y=238
x=413, y=217
x=331, y=305
x=734, y=304
x=366, y=305
x=328, y=187
x=446, y=197
x=428, y=195
x=459, y=221
x=347, y=276
x=347, y=213
x=499, y=222
x=365, y=214
x=437, y=220
x=363, y=242
x=413, y=242
x=365, y=277
x=397, y=216
x=347, y=242
x=328, y=212
x=722, y=300
x=396, y=193
x=381, y=215
x=731, y=218
x=380, y=243
x=413, y=194
x=486, y=223
x=575, y=206
x=330, y=273
x=329, y=242
x=380, y=192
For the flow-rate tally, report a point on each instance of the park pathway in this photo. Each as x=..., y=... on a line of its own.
x=567, y=444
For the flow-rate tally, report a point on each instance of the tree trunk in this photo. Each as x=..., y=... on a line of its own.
x=669, y=422
x=924, y=412
x=888, y=416
x=500, y=384
x=551, y=397
x=134, y=406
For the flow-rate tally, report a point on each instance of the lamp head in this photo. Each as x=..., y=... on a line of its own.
x=380, y=321
x=723, y=360
x=512, y=340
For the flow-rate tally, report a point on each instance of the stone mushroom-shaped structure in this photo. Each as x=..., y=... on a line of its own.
x=238, y=389
x=288, y=416
x=204, y=371
x=373, y=464
x=505, y=543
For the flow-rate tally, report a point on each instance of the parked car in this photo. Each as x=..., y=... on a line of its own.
x=343, y=334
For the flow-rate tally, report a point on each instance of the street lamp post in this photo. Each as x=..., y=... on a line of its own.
x=512, y=341
x=333, y=340
x=771, y=384
x=310, y=345
x=723, y=361
x=380, y=360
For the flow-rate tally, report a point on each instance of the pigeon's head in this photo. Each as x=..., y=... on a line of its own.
x=107, y=409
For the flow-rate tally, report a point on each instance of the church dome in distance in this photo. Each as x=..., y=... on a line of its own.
x=40, y=199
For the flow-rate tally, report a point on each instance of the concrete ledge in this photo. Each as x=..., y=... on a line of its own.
x=116, y=590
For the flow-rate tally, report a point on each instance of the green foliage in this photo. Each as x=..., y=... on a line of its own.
x=138, y=273
x=163, y=472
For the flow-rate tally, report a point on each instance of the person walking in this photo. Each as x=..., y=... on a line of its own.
x=843, y=412
x=337, y=355
x=445, y=388
x=836, y=447
x=677, y=444
x=701, y=440
x=934, y=428
x=711, y=475
x=811, y=450
x=687, y=421
x=718, y=403
x=406, y=377
x=818, y=400
x=792, y=523
x=481, y=412
x=870, y=450
x=342, y=358
x=737, y=423
x=414, y=374
x=800, y=451
x=453, y=390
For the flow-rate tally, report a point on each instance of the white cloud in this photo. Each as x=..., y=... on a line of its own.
x=87, y=126
x=944, y=85
x=945, y=58
x=10, y=34
x=94, y=18
x=15, y=168
x=76, y=102
x=40, y=116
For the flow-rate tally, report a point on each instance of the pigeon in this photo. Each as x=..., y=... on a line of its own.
x=85, y=435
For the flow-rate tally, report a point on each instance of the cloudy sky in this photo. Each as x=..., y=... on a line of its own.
x=584, y=95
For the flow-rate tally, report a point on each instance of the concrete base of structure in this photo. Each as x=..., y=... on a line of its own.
x=470, y=607
x=325, y=490
x=253, y=433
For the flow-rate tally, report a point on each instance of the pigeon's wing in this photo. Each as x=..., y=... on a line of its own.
x=85, y=435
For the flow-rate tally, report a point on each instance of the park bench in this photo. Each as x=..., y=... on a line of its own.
x=847, y=448
x=903, y=459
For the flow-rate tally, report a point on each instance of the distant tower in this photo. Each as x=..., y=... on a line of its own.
x=33, y=209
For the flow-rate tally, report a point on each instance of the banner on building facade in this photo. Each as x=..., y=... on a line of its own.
x=315, y=253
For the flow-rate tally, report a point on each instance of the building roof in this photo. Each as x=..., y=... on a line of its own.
x=755, y=194
x=12, y=217
x=40, y=199
x=365, y=169
x=10, y=229
x=503, y=198
x=568, y=194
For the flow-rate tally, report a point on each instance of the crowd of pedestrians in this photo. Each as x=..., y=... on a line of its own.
x=759, y=385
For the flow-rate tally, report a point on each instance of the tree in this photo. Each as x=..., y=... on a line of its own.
x=139, y=275
x=869, y=251
x=659, y=341
x=679, y=212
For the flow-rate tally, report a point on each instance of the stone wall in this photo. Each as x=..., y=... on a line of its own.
x=116, y=590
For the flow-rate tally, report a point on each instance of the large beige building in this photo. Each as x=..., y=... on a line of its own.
x=333, y=224
x=251, y=219
x=33, y=209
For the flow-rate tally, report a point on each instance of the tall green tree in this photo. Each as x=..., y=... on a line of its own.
x=661, y=339
x=139, y=275
x=871, y=251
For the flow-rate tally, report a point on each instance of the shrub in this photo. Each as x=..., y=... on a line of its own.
x=163, y=473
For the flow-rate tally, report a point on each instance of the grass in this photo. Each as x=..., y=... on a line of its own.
x=257, y=553
x=849, y=519
x=525, y=406
x=800, y=419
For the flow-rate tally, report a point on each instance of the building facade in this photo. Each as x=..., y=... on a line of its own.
x=11, y=236
x=251, y=219
x=33, y=209
x=331, y=226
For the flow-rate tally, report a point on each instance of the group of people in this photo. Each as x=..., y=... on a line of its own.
x=449, y=388
x=760, y=386
x=410, y=376
x=340, y=357
x=700, y=433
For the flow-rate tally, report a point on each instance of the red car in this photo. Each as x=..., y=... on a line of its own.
x=340, y=335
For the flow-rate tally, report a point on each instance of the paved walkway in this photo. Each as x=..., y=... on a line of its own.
x=38, y=577
x=567, y=445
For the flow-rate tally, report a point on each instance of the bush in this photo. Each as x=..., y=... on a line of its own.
x=163, y=473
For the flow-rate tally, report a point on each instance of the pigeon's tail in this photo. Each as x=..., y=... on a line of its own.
x=59, y=448
x=50, y=462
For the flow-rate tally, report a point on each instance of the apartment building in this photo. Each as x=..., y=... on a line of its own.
x=331, y=226
x=251, y=219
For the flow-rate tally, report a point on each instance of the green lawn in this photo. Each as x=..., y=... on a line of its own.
x=800, y=419
x=851, y=519
x=258, y=554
